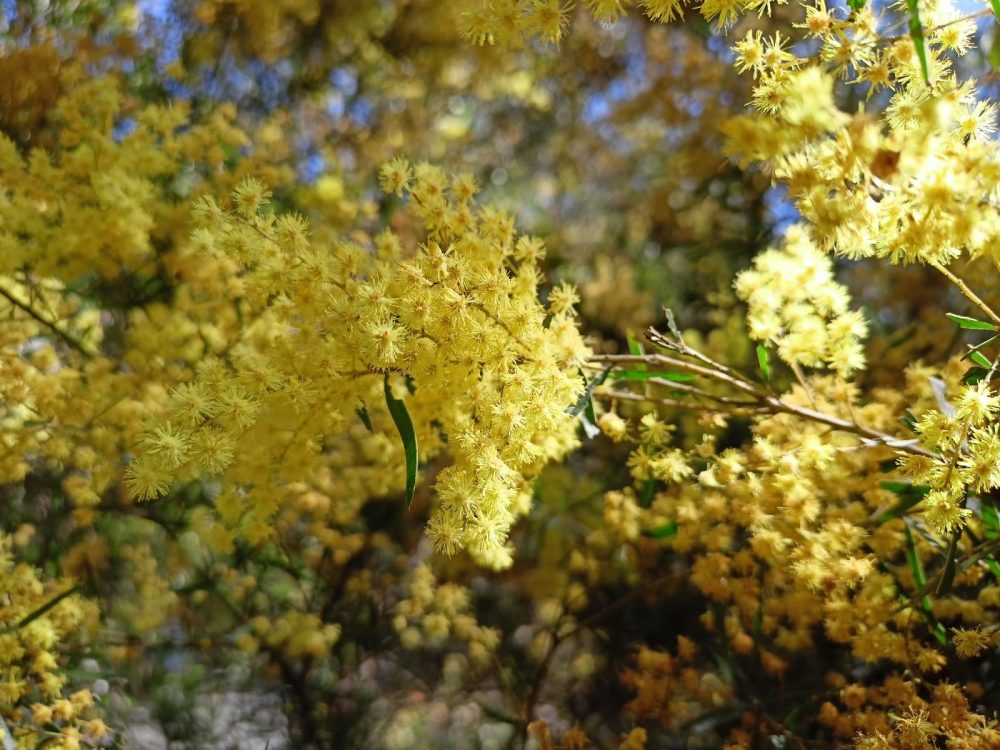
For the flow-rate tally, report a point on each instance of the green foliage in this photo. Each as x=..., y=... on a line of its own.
x=401, y=418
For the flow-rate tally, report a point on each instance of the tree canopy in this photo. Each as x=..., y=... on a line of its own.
x=499, y=374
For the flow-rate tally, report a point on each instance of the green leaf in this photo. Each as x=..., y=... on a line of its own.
x=947, y=577
x=964, y=321
x=916, y=568
x=856, y=5
x=991, y=519
x=399, y=414
x=995, y=4
x=980, y=360
x=920, y=581
x=764, y=360
x=917, y=34
x=793, y=717
x=909, y=494
x=905, y=488
x=676, y=377
x=634, y=346
x=665, y=531
x=940, y=633
x=583, y=402
x=982, y=344
x=648, y=490
x=365, y=417
x=974, y=375
x=994, y=52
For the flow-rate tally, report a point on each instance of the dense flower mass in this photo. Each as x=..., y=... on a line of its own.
x=452, y=327
x=794, y=302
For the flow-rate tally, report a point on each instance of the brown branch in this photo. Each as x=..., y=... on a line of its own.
x=611, y=394
x=761, y=401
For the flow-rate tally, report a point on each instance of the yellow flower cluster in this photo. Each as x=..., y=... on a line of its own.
x=906, y=713
x=269, y=30
x=263, y=361
x=437, y=615
x=912, y=182
x=34, y=622
x=75, y=222
x=451, y=325
x=297, y=635
x=795, y=303
x=669, y=688
x=793, y=542
x=963, y=458
x=511, y=22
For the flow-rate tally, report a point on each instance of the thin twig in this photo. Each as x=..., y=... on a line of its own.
x=68, y=338
x=762, y=400
x=611, y=394
x=931, y=29
x=964, y=289
x=34, y=615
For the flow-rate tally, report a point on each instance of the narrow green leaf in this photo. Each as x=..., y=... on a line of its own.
x=793, y=717
x=974, y=375
x=676, y=377
x=584, y=401
x=764, y=360
x=994, y=52
x=634, y=347
x=947, y=577
x=917, y=34
x=964, y=321
x=399, y=414
x=990, y=529
x=920, y=580
x=995, y=4
x=982, y=344
x=909, y=494
x=980, y=360
x=940, y=633
x=900, y=509
x=905, y=488
x=365, y=417
x=856, y=5
x=665, y=531
x=648, y=490
x=913, y=560
x=991, y=520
